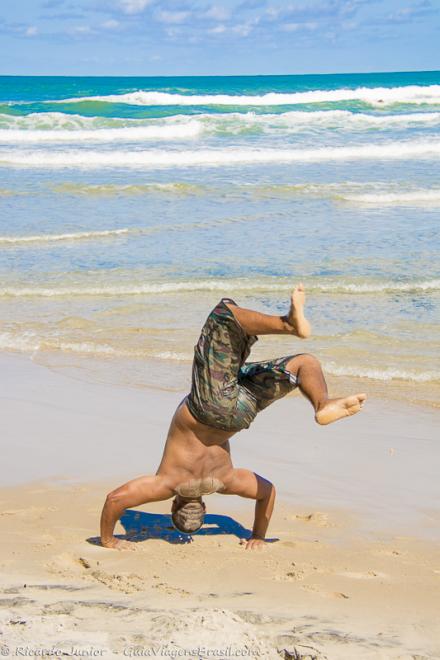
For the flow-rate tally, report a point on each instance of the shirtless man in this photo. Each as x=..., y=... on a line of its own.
x=226, y=394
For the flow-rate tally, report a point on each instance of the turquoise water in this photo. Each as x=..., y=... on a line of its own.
x=130, y=205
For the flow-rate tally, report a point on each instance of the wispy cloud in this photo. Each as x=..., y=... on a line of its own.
x=133, y=6
x=172, y=17
x=31, y=31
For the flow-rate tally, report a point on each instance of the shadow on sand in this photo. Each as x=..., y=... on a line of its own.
x=140, y=526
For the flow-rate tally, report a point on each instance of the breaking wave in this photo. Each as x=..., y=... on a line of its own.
x=29, y=341
x=217, y=285
x=416, y=197
x=176, y=188
x=377, y=96
x=52, y=127
x=127, y=134
x=48, y=238
x=383, y=374
x=89, y=159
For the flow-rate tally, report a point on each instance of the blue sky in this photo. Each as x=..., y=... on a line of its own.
x=199, y=37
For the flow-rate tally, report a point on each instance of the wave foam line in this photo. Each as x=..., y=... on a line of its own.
x=383, y=374
x=176, y=188
x=30, y=342
x=56, y=127
x=417, y=94
x=154, y=158
x=216, y=285
x=429, y=197
x=47, y=238
x=127, y=134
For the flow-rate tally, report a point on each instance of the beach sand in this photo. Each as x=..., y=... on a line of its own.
x=353, y=569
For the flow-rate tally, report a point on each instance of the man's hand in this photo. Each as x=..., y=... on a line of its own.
x=253, y=543
x=249, y=484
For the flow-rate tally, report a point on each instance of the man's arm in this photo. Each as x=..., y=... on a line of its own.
x=249, y=484
x=133, y=493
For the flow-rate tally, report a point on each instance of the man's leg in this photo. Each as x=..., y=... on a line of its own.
x=307, y=370
x=292, y=323
x=305, y=367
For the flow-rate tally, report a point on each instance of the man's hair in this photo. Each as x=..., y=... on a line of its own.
x=188, y=515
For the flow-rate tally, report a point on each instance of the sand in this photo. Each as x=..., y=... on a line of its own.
x=352, y=570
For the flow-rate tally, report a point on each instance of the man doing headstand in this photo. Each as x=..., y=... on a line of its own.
x=226, y=394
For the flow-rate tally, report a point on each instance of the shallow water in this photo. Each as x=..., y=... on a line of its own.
x=130, y=206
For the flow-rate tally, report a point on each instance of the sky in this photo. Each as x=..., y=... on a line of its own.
x=223, y=37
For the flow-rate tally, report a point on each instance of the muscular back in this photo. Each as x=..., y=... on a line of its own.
x=194, y=451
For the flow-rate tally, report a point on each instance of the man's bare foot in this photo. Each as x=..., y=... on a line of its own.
x=335, y=409
x=295, y=318
x=118, y=544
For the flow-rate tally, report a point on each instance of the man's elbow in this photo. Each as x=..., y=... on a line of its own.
x=269, y=492
x=116, y=498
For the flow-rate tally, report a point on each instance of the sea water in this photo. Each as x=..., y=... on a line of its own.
x=129, y=206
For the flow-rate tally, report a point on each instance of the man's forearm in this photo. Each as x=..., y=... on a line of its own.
x=111, y=513
x=263, y=514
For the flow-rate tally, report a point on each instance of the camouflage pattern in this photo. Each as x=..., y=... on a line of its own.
x=226, y=392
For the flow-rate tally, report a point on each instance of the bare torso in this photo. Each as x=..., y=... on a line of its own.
x=196, y=457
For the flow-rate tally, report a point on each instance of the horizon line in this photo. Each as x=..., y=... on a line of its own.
x=221, y=75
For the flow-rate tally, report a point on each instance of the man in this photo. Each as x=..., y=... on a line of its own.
x=226, y=395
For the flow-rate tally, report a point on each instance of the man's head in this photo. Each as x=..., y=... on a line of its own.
x=188, y=514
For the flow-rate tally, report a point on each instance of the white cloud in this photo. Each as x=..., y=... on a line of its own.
x=243, y=29
x=172, y=17
x=82, y=29
x=218, y=29
x=294, y=27
x=217, y=13
x=31, y=31
x=111, y=24
x=133, y=6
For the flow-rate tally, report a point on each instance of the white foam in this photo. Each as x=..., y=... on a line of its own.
x=382, y=374
x=298, y=120
x=127, y=134
x=416, y=197
x=53, y=127
x=377, y=96
x=29, y=342
x=47, y=238
x=88, y=159
x=216, y=285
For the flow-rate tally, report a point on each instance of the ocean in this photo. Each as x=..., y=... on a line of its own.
x=131, y=205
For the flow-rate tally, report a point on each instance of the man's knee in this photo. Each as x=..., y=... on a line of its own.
x=303, y=360
x=310, y=360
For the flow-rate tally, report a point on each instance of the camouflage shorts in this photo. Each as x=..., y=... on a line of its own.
x=227, y=392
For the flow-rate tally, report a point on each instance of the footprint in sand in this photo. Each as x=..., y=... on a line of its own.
x=370, y=575
x=168, y=589
x=290, y=576
x=71, y=566
x=127, y=583
x=316, y=518
x=326, y=594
